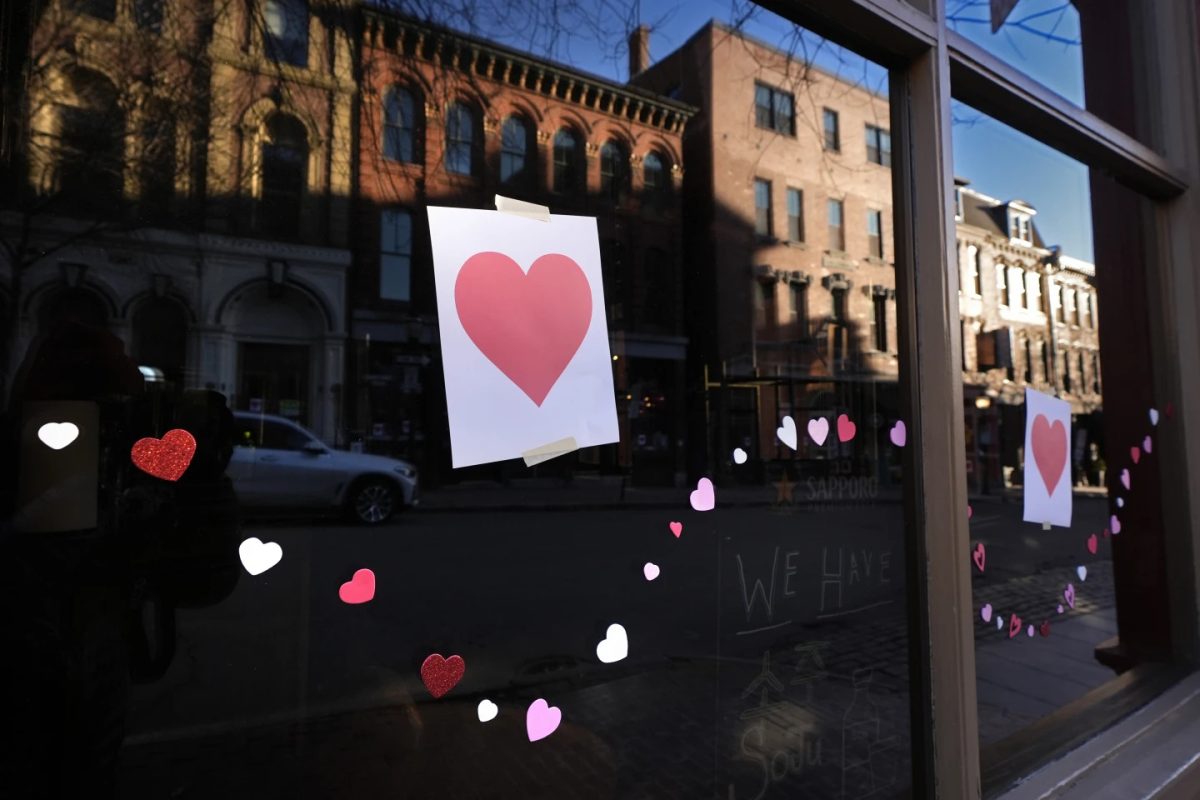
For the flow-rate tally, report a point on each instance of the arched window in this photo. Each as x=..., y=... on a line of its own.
x=514, y=152
x=614, y=171
x=90, y=142
x=284, y=175
x=160, y=337
x=287, y=31
x=399, y=125
x=655, y=183
x=567, y=172
x=460, y=139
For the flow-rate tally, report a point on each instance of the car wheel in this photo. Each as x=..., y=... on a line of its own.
x=374, y=501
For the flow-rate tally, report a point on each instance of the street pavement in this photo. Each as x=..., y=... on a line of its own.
x=768, y=658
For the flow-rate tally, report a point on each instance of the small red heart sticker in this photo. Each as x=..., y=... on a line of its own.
x=440, y=675
x=1136, y=454
x=1091, y=543
x=166, y=458
x=1014, y=626
x=1044, y=628
x=980, y=556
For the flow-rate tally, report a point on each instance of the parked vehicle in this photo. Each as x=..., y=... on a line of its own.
x=277, y=464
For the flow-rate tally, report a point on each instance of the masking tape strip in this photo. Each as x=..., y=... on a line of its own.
x=548, y=451
x=507, y=205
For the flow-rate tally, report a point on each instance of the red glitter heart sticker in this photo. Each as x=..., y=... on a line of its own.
x=440, y=675
x=166, y=458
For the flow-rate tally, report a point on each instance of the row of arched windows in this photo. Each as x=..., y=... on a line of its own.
x=463, y=151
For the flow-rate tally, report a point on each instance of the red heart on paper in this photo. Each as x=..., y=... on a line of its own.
x=846, y=428
x=980, y=556
x=1014, y=626
x=1136, y=454
x=440, y=675
x=166, y=458
x=529, y=324
x=1049, y=450
x=1091, y=544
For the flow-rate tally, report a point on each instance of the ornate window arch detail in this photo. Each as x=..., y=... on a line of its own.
x=280, y=146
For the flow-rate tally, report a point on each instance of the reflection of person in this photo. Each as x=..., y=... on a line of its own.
x=74, y=605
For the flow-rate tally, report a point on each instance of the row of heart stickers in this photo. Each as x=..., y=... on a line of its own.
x=818, y=431
x=166, y=458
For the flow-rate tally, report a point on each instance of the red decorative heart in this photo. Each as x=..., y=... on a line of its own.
x=1136, y=454
x=1049, y=450
x=846, y=428
x=529, y=324
x=980, y=556
x=1014, y=626
x=1044, y=628
x=440, y=675
x=1091, y=543
x=1170, y=409
x=166, y=458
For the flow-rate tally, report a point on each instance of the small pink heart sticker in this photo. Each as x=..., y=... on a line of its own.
x=986, y=612
x=1060, y=608
x=1125, y=479
x=704, y=499
x=1116, y=524
x=1014, y=626
x=898, y=434
x=359, y=589
x=846, y=428
x=1069, y=595
x=1135, y=454
x=818, y=430
x=970, y=512
x=1147, y=444
x=541, y=720
x=676, y=528
x=979, y=556
x=1092, y=544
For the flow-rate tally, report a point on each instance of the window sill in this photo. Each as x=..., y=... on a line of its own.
x=795, y=244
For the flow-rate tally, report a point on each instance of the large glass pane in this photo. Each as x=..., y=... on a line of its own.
x=1063, y=485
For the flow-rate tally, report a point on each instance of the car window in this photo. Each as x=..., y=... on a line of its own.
x=278, y=436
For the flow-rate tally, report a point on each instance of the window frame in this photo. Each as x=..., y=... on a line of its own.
x=460, y=144
x=770, y=116
x=879, y=144
x=796, y=220
x=875, y=240
x=832, y=139
x=570, y=169
x=616, y=182
x=764, y=223
x=384, y=254
x=840, y=228
x=405, y=129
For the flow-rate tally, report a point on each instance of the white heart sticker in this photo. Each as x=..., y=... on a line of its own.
x=787, y=432
x=1081, y=571
x=487, y=710
x=650, y=570
x=57, y=435
x=615, y=645
x=258, y=556
x=739, y=456
x=1154, y=416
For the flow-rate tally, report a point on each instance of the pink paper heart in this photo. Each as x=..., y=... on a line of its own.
x=528, y=324
x=1115, y=525
x=980, y=556
x=986, y=612
x=818, y=430
x=1014, y=626
x=970, y=512
x=676, y=528
x=1147, y=444
x=1091, y=544
x=650, y=570
x=1069, y=595
x=1125, y=478
x=359, y=589
x=1135, y=454
x=898, y=433
x=1060, y=608
x=1049, y=450
x=541, y=720
x=704, y=499
x=846, y=428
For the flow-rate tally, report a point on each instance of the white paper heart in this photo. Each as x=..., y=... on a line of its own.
x=650, y=570
x=1081, y=571
x=57, y=435
x=739, y=455
x=1154, y=416
x=1029, y=631
x=1120, y=502
x=986, y=612
x=787, y=432
x=487, y=710
x=614, y=646
x=999, y=623
x=818, y=429
x=258, y=556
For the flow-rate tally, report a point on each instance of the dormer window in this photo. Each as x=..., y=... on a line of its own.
x=1019, y=228
x=1020, y=225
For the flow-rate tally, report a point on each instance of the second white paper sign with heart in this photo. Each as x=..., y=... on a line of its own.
x=524, y=336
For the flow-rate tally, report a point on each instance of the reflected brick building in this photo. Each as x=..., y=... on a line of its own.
x=447, y=119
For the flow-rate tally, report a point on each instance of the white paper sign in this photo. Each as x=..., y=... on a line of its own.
x=524, y=337
x=1047, y=463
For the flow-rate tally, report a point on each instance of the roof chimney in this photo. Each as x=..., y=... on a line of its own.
x=639, y=49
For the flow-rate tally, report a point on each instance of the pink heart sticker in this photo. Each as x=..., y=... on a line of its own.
x=818, y=430
x=980, y=556
x=986, y=612
x=359, y=589
x=541, y=720
x=704, y=499
x=1060, y=608
x=1125, y=478
x=970, y=512
x=1091, y=544
x=1014, y=626
x=1069, y=595
x=898, y=434
x=846, y=428
x=1049, y=450
x=676, y=528
x=1147, y=444
x=1135, y=454
x=528, y=324
x=1115, y=524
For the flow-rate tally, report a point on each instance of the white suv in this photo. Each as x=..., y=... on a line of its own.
x=278, y=464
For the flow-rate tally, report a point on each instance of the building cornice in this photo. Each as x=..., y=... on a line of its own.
x=478, y=57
